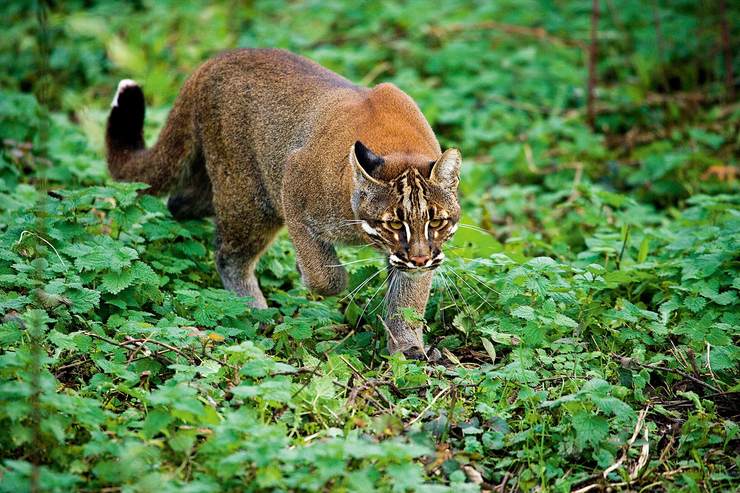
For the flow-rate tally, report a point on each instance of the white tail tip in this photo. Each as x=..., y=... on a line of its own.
x=121, y=86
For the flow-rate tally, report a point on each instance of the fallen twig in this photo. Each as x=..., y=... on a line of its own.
x=626, y=362
x=638, y=426
x=431, y=403
x=368, y=383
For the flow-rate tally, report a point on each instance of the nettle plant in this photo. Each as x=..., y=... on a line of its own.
x=76, y=369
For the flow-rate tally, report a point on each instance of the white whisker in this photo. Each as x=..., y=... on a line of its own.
x=462, y=298
x=480, y=280
x=358, y=288
x=392, y=284
x=449, y=291
x=476, y=228
x=351, y=262
x=372, y=298
x=472, y=288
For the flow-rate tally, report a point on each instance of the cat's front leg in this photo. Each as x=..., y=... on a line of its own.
x=318, y=263
x=406, y=290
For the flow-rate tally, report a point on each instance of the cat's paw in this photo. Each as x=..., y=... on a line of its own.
x=430, y=354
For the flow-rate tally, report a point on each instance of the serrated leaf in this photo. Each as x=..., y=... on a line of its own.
x=590, y=429
x=525, y=312
x=144, y=274
x=115, y=282
x=564, y=321
x=83, y=299
x=695, y=303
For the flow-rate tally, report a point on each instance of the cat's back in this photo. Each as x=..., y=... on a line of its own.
x=272, y=94
x=270, y=72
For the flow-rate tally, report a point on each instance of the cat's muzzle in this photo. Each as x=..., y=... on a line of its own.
x=416, y=264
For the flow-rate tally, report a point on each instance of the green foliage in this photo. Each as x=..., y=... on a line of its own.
x=587, y=312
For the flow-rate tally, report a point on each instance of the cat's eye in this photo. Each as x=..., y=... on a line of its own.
x=396, y=225
x=436, y=223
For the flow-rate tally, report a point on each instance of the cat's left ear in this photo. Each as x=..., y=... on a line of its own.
x=365, y=164
x=446, y=170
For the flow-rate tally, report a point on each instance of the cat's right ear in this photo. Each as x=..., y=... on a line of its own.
x=365, y=163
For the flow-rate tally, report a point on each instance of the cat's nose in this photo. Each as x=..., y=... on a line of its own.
x=419, y=260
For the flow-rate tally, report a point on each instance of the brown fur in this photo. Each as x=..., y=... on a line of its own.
x=264, y=138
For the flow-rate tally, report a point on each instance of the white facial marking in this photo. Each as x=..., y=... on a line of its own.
x=369, y=229
x=426, y=231
x=121, y=86
x=394, y=258
x=406, y=195
x=408, y=231
x=453, y=229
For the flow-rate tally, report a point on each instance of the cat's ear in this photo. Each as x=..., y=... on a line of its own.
x=446, y=170
x=365, y=163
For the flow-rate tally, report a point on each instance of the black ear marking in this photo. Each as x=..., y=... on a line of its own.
x=428, y=171
x=369, y=161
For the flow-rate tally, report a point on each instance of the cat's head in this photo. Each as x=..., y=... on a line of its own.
x=408, y=209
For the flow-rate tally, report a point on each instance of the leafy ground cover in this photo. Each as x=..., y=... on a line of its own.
x=588, y=312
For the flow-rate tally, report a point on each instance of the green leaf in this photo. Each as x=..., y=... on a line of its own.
x=565, y=321
x=644, y=250
x=83, y=299
x=590, y=429
x=695, y=303
x=524, y=311
x=115, y=282
x=490, y=349
x=155, y=422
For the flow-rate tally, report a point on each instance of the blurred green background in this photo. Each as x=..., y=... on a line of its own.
x=505, y=81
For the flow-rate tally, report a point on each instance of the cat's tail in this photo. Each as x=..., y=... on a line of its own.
x=161, y=165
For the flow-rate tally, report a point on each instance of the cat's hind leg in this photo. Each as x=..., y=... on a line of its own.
x=236, y=264
x=246, y=224
x=193, y=195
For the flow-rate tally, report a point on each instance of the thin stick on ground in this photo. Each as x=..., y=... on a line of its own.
x=367, y=382
x=638, y=426
x=428, y=407
x=625, y=361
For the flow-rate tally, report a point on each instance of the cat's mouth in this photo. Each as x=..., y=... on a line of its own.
x=416, y=264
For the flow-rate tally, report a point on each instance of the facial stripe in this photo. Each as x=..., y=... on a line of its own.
x=420, y=192
x=412, y=191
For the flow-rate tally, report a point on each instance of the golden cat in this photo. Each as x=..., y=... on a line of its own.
x=263, y=138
